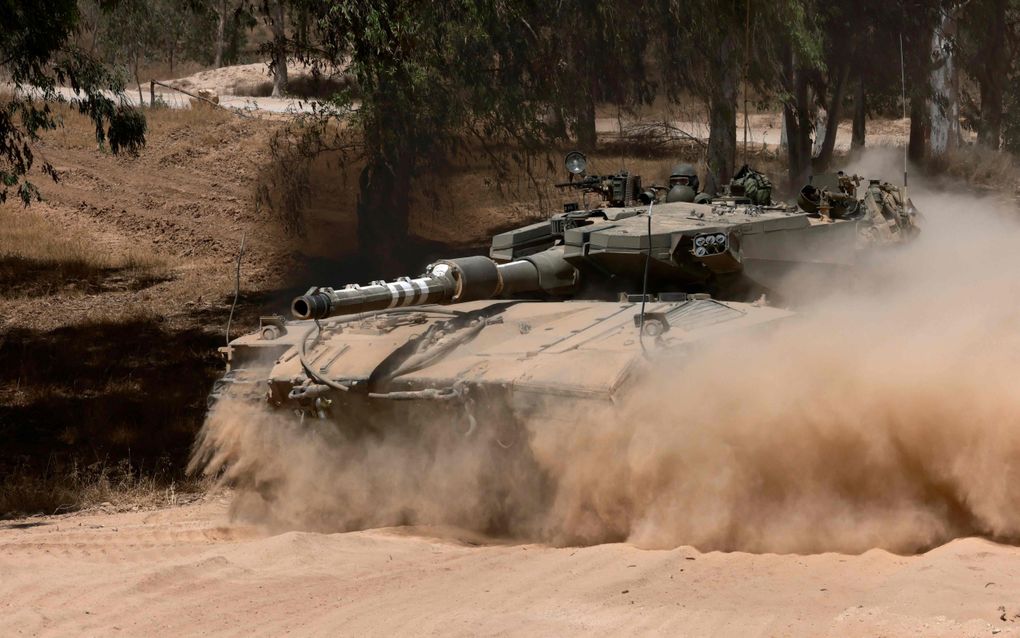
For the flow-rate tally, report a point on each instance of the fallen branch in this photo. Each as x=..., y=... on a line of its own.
x=664, y=129
x=152, y=92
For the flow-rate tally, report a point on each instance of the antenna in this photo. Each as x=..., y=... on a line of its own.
x=747, y=64
x=237, y=287
x=619, y=139
x=903, y=99
x=644, y=281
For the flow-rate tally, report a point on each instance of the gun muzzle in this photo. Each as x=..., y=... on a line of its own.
x=446, y=281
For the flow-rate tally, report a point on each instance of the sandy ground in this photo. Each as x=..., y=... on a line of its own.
x=188, y=570
x=229, y=79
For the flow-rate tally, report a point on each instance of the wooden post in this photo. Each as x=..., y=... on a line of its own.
x=152, y=93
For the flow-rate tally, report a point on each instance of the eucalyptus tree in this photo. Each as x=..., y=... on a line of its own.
x=434, y=79
x=860, y=54
x=275, y=16
x=989, y=41
x=598, y=53
x=707, y=49
x=859, y=41
x=38, y=56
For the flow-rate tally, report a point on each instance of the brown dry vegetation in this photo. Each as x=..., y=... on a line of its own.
x=36, y=257
x=114, y=292
x=983, y=168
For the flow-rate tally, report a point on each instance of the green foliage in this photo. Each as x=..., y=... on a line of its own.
x=36, y=54
x=595, y=51
x=127, y=131
x=238, y=24
x=761, y=34
x=428, y=72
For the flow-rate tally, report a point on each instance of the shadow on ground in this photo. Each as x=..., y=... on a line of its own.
x=128, y=395
x=20, y=277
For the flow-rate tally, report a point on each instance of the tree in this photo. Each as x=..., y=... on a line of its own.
x=223, y=10
x=860, y=45
x=432, y=77
x=989, y=41
x=839, y=54
x=797, y=114
x=275, y=15
x=918, y=22
x=185, y=29
x=573, y=31
x=136, y=32
x=875, y=29
x=860, y=53
x=132, y=30
x=708, y=48
x=944, y=79
x=37, y=54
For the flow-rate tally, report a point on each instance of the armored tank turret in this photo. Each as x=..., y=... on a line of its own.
x=570, y=308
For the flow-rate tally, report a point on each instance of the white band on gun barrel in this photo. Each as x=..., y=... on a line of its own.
x=421, y=290
x=406, y=293
x=395, y=293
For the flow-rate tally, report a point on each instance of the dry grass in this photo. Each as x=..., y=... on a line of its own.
x=983, y=167
x=38, y=255
x=99, y=410
x=119, y=486
x=27, y=234
x=166, y=119
x=77, y=132
x=303, y=86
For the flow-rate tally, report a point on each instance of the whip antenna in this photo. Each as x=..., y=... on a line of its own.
x=903, y=99
x=644, y=281
x=747, y=65
x=237, y=287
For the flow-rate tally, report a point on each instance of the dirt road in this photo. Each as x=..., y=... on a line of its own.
x=188, y=570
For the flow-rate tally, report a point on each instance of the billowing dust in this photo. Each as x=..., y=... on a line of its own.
x=887, y=416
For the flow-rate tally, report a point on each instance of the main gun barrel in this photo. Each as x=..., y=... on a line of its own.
x=446, y=281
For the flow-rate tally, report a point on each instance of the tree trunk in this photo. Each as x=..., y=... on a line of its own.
x=221, y=26
x=819, y=126
x=991, y=76
x=383, y=212
x=917, y=147
x=279, y=50
x=722, y=106
x=944, y=107
x=860, y=116
x=794, y=162
x=385, y=190
x=832, y=124
x=584, y=129
x=302, y=26
x=141, y=98
x=990, y=130
x=797, y=114
x=784, y=134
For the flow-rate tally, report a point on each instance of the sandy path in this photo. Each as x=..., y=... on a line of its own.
x=187, y=570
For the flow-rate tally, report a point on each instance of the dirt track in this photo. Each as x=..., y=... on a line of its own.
x=187, y=570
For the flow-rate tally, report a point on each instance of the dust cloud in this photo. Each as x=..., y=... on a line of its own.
x=885, y=416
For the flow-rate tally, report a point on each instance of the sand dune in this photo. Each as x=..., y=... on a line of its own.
x=187, y=571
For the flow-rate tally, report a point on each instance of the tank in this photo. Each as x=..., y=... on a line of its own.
x=571, y=309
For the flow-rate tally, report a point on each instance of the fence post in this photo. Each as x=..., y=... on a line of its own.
x=152, y=93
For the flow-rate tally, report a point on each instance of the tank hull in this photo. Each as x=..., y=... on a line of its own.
x=488, y=361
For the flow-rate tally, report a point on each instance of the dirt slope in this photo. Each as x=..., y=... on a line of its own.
x=115, y=293
x=186, y=570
